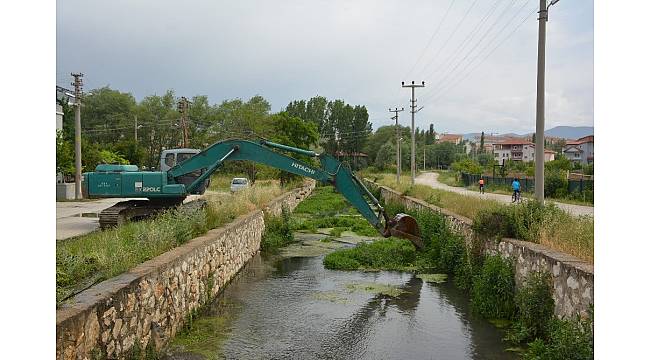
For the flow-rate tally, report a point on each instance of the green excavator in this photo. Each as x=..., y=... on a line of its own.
x=162, y=190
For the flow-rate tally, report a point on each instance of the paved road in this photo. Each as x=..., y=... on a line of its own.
x=431, y=179
x=74, y=218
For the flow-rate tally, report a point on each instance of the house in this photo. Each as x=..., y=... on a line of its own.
x=581, y=150
x=549, y=155
x=514, y=149
x=452, y=138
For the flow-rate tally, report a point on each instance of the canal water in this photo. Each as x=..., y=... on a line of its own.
x=293, y=308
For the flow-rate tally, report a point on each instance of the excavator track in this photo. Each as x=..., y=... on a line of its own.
x=134, y=210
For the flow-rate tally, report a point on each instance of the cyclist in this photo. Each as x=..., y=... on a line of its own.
x=481, y=184
x=516, y=186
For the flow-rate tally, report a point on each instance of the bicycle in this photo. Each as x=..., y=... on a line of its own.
x=516, y=196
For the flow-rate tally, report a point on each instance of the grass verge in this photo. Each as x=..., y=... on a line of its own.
x=547, y=225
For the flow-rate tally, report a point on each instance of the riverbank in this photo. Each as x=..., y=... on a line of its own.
x=142, y=309
x=549, y=225
x=287, y=304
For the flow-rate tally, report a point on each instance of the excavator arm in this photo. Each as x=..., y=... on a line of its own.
x=331, y=171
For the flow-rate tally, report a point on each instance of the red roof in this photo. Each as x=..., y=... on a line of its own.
x=513, y=141
x=450, y=137
x=582, y=140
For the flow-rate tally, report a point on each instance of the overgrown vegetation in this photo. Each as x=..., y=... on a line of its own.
x=277, y=232
x=325, y=208
x=571, y=339
x=488, y=280
x=386, y=254
x=535, y=307
x=547, y=225
x=493, y=289
x=85, y=260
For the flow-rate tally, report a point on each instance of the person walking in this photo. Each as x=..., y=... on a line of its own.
x=481, y=185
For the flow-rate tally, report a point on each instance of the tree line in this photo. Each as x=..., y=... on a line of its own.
x=118, y=129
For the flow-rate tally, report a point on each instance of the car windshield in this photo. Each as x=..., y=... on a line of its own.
x=239, y=181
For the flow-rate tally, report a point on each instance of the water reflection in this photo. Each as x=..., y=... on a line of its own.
x=296, y=309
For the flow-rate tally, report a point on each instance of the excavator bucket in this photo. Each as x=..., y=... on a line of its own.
x=405, y=227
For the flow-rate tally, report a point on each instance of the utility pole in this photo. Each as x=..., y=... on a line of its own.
x=424, y=155
x=182, y=108
x=78, y=83
x=397, y=141
x=539, y=129
x=413, y=111
x=136, y=129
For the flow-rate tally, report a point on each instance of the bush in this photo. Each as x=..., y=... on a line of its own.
x=535, y=308
x=387, y=254
x=467, y=166
x=493, y=289
x=493, y=222
x=567, y=340
x=341, y=260
x=277, y=231
x=555, y=184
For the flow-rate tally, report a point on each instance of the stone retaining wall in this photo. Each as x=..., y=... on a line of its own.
x=146, y=306
x=573, y=279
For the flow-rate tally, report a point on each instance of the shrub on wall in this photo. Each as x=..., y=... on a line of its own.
x=566, y=340
x=535, y=307
x=493, y=289
x=277, y=232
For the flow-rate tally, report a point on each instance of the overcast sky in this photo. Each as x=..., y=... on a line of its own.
x=358, y=51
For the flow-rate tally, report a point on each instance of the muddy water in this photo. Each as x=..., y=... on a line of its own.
x=293, y=308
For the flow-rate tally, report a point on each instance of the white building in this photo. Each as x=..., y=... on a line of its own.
x=518, y=150
x=514, y=149
x=59, y=117
x=581, y=150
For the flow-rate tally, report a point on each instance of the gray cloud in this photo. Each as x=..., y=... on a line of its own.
x=358, y=51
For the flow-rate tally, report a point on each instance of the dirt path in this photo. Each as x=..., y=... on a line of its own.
x=431, y=179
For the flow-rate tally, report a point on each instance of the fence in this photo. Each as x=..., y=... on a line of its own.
x=527, y=184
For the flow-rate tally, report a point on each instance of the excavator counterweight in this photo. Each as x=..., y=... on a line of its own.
x=165, y=189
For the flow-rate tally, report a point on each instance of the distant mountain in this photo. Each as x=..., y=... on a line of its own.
x=567, y=132
x=570, y=132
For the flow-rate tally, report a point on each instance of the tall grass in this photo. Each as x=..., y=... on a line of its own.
x=465, y=205
x=85, y=260
x=547, y=225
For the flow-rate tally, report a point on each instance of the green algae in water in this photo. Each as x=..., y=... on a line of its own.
x=500, y=323
x=433, y=278
x=375, y=288
x=309, y=248
x=331, y=296
x=208, y=332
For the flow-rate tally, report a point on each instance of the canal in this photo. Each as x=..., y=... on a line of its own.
x=289, y=306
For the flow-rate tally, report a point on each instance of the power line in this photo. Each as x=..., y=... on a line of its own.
x=440, y=93
x=485, y=34
x=462, y=20
x=470, y=36
x=444, y=17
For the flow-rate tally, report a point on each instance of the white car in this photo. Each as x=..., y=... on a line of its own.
x=238, y=184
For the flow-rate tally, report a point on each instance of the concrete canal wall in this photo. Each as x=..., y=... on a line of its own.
x=145, y=307
x=573, y=279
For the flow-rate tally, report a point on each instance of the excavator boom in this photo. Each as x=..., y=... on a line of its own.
x=168, y=186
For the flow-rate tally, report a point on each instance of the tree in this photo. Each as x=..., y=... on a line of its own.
x=386, y=156
x=292, y=131
x=482, y=147
x=467, y=166
x=376, y=140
